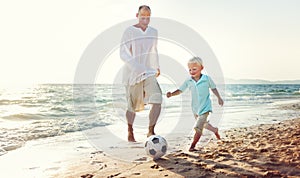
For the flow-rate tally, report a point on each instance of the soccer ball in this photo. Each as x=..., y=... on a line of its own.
x=156, y=146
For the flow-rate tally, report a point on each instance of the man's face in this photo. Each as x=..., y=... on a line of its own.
x=144, y=16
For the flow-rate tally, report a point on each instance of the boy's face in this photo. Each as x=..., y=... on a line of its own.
x=144, y=16
x=195, y=69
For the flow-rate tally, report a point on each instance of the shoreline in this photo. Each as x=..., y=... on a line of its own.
x=255, y=151
x=268, y=150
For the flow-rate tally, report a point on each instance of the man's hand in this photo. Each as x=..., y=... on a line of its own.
x=158, y=73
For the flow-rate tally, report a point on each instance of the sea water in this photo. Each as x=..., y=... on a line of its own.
x=53, y=110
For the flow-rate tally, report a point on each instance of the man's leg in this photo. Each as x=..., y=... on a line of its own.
x=153, y=117
x=130, y=119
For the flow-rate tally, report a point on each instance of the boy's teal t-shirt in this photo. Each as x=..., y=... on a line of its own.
x=201, y=102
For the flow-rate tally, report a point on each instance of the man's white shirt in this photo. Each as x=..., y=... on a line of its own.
x=139, y=52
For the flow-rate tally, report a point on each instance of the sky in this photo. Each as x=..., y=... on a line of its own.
x=43, y=41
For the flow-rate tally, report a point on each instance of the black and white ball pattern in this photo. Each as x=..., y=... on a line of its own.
x=156, y=146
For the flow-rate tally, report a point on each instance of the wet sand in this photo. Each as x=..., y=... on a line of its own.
x=259, y=151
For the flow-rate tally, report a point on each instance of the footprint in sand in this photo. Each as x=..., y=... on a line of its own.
x=186, y=164
x=136, y=173
x=87, y=176
x=141, y=159
x=185, y=170
x=155, y=166
x=114, y=175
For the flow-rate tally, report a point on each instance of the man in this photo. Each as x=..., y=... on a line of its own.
x=139, y=52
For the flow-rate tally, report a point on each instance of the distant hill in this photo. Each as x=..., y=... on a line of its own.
x=257, y=81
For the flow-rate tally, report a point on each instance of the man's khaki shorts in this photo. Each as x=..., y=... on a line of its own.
x=146, y=92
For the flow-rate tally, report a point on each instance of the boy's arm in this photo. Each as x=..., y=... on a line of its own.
x=176, y=92
x=181, y=89
x=220, y=100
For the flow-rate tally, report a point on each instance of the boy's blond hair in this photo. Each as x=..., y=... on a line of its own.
x=196, y=60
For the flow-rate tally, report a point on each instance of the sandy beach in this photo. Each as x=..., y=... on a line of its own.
x=260, y=138
x=270, y=150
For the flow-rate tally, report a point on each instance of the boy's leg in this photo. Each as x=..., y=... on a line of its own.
x=215, y=130
x=201, y=121
x=130, y=119
x=196, y=139
x=199, y=125
x=153, y=117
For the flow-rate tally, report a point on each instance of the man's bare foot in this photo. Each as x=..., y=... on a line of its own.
x=217, y=134
x=131, y=137
x=150, y=133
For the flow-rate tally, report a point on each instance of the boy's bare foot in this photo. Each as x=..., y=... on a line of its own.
x=217, y=134
x=192, y=149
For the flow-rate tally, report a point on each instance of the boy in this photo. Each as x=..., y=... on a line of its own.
x=199, y=85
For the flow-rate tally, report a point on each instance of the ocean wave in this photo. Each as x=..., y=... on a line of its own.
x=2, y=151
x=248, y=97
x=23, y=116
x=10, y=101
x=59, y=109
x=296, y=92
x=53, y=110
x=14, y=137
